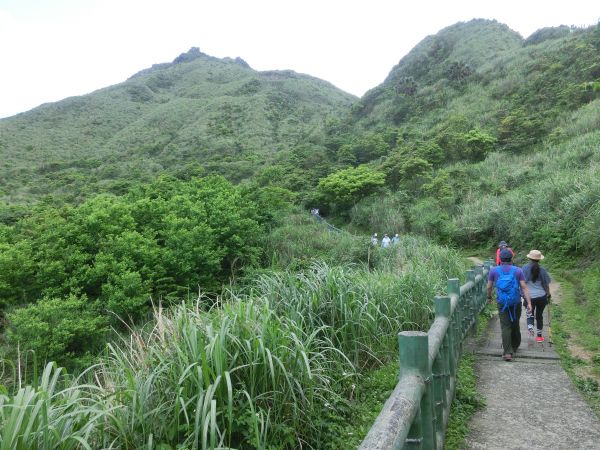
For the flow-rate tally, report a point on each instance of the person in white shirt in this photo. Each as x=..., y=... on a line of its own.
x=386, y=241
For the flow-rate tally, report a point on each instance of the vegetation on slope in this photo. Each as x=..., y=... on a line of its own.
x=476, y=136
x=197, y=114
x=575, y=325
x=257, y=371
x=73, y=272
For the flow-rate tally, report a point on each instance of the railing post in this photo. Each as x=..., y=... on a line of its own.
x=416, y=414
x=482, y=291
x=454, y=289
x=472, y=301
x=443, y=308
x=414, y=358
x=438, y=392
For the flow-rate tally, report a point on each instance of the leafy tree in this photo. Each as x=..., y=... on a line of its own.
x=346, y=187
x=459, y=71
x=346, y=156
x=363, y=149
x=518, y=130
x=272, y=202
x=478, y=144
x=439, y=188
x=430, y=151
x=407, y=86
x=403, y=169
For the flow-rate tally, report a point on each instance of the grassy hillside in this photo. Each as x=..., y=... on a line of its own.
x=196, y=113
x=515, y=128
x=477, y=135
x=489, y=75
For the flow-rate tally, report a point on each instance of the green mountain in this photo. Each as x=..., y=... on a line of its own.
x=196, y=113
x=436, y=70
x=491, y=136
x=486, y=74
x=475, y=90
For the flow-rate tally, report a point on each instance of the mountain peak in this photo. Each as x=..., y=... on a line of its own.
x=192, y=54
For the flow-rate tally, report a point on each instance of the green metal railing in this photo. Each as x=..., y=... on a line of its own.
x=416, y=414
x=330, y=227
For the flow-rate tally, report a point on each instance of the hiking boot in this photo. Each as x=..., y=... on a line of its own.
x=507, y=357
x=539, y=338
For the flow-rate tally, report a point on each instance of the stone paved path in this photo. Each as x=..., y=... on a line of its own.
x=531, y=403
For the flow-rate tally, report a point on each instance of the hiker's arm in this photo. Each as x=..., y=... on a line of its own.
x=489, y=291
x=525, y=293
x=546, y=280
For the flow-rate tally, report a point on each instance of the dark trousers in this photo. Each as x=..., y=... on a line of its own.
x=537, y=310
x=509, y=325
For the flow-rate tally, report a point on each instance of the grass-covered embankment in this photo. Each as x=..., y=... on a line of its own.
x=575, y=325
x=266, y=368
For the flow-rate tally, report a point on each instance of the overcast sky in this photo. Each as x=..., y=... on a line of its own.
x=53, y=49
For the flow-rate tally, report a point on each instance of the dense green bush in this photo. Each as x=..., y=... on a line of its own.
x=59, y=329
x=160, y=241
x=428, y=218
x=345, y=188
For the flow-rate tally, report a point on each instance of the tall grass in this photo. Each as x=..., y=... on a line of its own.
x=301, y=240
x=380, y=214
x=550, y=200
x=53, y=413
x=256, y=370
x=206, y=380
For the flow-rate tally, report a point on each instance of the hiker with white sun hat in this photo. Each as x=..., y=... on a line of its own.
x=538, y=283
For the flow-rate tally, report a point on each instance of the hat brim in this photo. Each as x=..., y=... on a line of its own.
x=535, y=257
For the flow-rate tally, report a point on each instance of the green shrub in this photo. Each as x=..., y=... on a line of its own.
x=57, y=329
x=161, y=240
x=429, y=219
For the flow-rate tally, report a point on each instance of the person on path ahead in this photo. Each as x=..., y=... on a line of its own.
x=501, y=245
x=395, y=239
x=538, y=283
x=510, y=287
x=374, y=240
x=386, y=241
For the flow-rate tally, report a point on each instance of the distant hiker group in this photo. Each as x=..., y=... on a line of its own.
x=385, y=241
x=530, y=283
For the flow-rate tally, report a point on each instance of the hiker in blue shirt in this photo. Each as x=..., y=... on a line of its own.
x=510, y=287
x=538, y=283
x=395, y=239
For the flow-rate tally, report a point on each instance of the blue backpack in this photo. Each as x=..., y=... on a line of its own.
x=507, y=289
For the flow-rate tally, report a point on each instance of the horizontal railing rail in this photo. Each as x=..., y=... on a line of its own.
x=416, y=414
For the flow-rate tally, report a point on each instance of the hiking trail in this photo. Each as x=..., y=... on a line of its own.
x=530, y=402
